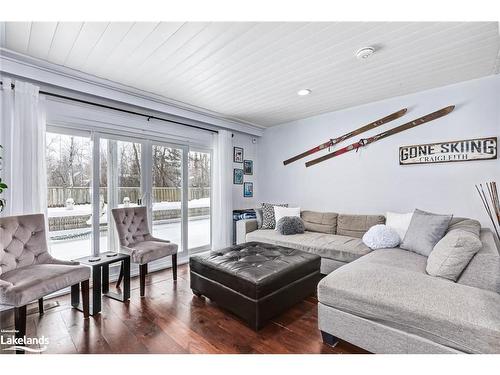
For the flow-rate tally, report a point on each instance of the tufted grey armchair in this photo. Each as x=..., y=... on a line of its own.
x=137, y=241
x=28, y=272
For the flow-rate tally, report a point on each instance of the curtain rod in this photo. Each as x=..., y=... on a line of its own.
x=149, y=117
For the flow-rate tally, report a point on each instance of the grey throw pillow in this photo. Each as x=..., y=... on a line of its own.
x=268, y=220
x=452, y=254
x=290, y=225
x=424, y=232
x=258, y=216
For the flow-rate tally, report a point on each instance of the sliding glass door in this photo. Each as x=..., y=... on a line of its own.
x=119, y=185
x=167, y=197
x=69, y=198
x=90, y=173
x=199, y=196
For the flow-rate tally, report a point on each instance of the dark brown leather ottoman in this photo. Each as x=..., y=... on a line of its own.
x=255, y=281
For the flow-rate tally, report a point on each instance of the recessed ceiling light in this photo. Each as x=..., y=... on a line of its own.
x=304, y=92
x=364, y=53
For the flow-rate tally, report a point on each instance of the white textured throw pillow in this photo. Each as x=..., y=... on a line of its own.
x=280, y=212
x=380, y=237
x=398, y=222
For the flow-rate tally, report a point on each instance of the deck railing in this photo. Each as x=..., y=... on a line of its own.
x=58, y=195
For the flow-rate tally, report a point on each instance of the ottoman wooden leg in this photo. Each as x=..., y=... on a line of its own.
x=196, y=293
x=329, y=339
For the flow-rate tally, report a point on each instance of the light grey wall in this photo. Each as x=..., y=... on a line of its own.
x=249, y=153
x=371, y=180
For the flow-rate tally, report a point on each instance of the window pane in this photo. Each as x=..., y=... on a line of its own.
x=167, y=193
x=199, y=199
x=69, y=163
x=119, y=183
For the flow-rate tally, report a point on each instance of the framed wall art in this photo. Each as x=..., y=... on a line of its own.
x=248, y=189
x=238, y=176
x=248, y=167
x=237, y=155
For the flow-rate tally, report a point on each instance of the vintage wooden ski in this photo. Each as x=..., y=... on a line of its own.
x=334, y=141
x=363, y=142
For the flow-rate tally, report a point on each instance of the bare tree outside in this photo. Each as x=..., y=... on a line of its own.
x=68, y=161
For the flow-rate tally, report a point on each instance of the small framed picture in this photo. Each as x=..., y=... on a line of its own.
x=237, y=155
x=248, y=189
x=238, y=176
x=248, y=167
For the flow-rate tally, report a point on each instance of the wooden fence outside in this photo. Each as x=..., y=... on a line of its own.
x=57, y=195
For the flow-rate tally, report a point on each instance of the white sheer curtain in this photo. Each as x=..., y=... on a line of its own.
x=222, y=198
x=22, y=135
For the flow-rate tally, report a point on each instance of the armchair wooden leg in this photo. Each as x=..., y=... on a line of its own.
x=85, y=298
x=174, y=266
x=40, y=306
x=120, y=276
x=20, y=324
x=143, y=270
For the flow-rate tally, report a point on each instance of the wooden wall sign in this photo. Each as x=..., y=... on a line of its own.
x=445, y=152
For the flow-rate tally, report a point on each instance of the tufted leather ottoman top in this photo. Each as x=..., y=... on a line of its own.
x=255, y=269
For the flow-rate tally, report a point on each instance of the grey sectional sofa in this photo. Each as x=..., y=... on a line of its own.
x=384, y=301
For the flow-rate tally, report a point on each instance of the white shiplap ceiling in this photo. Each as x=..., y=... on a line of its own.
x=251, y=71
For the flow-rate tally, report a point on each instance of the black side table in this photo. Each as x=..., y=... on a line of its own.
x=100, y=280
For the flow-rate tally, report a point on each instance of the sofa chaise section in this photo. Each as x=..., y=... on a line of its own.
x=385, y=302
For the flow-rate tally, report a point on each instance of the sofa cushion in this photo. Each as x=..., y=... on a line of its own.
x=281, y=212
x=268, y=219
x=400, y=295
x=38, y=280
x=468, y=225
x=357, y=225
x=425, y=231
x=452, y=253
x=288, y=225
x=322, y=222
x=258, y=217
x=340, y=248
x=397, y=258
x=483, y=271
x=381, y=236
x=398, y=222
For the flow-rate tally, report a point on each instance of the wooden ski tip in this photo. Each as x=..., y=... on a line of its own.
x=449, y=108
x=310, y=163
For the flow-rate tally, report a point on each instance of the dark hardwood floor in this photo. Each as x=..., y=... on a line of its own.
x=170, y=319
